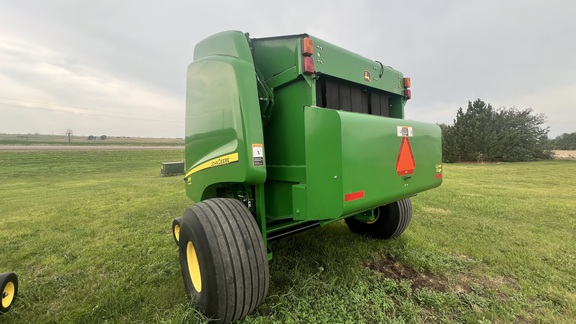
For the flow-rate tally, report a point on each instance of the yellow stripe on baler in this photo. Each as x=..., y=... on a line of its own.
x=223, y=160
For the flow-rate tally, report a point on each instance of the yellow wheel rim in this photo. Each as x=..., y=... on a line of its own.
x=193, y=267
x=177, y=232
x=376, y=216
x=8, y=294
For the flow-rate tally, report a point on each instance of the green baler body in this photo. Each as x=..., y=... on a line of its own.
x=301, y=148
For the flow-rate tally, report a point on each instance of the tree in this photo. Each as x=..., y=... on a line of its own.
x=103, y=137
x=566, y=141
x=449, y=146
x=91, y=137
x=483, y=133
x=69, y=134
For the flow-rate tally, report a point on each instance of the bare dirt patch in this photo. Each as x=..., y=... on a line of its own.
x=565, y=155
x=397, y=271
x=460, y=284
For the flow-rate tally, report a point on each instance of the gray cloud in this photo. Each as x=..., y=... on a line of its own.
x=119, y=68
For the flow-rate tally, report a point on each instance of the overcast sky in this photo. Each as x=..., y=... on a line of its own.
x=119, y=67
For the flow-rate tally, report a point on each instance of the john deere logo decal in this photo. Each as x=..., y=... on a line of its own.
x=367, y=77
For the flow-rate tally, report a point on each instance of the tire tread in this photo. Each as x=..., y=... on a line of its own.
x=236, y=248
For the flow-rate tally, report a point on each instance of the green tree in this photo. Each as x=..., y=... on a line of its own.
x=450, y=148
x=566, y=141
x=482, y=133
x=522, y=137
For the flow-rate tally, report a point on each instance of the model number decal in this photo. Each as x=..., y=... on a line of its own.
x=220, y=161
x=223, y=160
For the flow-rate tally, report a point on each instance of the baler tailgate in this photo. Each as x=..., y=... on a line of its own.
x=356, y=161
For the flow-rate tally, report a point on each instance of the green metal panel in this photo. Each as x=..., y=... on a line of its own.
x=280, y=60
x=336, y=61
x=349, y=153
x=285, y=139
x=222, y=116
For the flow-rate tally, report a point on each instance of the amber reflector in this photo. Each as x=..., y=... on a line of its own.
x=407, y=83
x=307, y=46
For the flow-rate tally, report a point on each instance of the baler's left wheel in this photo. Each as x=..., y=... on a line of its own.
x=390, y=220
x=223, y=259
x=8, y=290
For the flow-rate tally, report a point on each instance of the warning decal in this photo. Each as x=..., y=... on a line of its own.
x=405, y=164
x=404, y=131
x=258, y=154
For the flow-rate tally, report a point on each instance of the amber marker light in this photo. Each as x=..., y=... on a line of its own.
x=307, y=46
x=407, y=83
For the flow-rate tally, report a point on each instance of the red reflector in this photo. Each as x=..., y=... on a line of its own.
x=407, y=83
x=407, y=93
x=354, y=195
x=308, y=65
x=307, y=46
x=438, y=176
x=405, y=163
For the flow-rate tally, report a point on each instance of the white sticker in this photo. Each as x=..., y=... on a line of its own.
x=258, y=154
x=404, y=131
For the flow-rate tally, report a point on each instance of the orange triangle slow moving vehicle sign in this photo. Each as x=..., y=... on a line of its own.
x=405, y=163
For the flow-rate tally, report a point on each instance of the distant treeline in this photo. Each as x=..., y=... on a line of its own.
x=566, y=141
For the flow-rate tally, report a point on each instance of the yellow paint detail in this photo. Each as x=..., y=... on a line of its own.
x=438, y=168
x=177, y=232
x=223, y=160
x=193, y=267
x=367, y=76
x=8, y=294
x=376, y=216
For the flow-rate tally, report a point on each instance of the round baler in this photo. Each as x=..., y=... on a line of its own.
x=285, y=134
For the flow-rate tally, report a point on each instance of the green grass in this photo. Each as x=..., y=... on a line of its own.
x=88, y=233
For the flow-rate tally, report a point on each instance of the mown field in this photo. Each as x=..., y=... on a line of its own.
x=88, y=233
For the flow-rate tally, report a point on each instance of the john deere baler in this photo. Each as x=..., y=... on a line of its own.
x=285, y=134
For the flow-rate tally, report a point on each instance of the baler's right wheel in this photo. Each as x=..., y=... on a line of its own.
x=391, y=220
x=8, y=290
x=223, y=259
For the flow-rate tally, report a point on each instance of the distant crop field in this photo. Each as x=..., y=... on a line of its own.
x=88, y=233
x=40, y=139
x=565, y=155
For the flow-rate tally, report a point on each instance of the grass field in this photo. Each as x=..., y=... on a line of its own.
x=40, y=139
x=88, y=233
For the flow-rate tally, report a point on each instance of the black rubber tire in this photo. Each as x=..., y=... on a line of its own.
x=8, y=290
x=392, y=220
x=176, y=225
x=221, y=242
